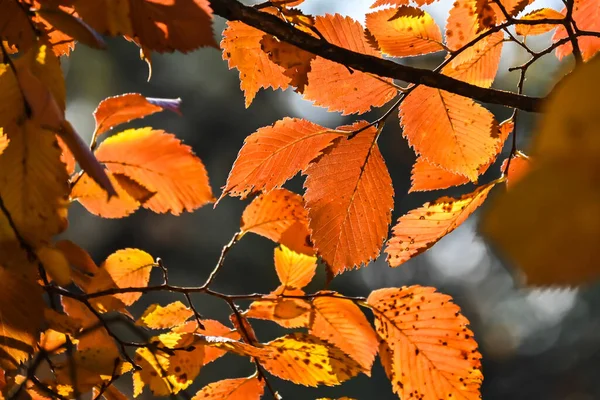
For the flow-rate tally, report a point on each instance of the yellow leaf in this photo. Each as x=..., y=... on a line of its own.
x=406, y=31
x=294, y=270
x=342, y=323
x=250, y=388
x=56, y=265
x=287, y=312
x=123, y=269
x=422, y=227
x=309, y=361
x=21, y=317
x=159, y=317
x=542, y=13
x=427, y=350
x=34, y=183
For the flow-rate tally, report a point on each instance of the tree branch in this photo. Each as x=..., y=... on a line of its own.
x=233, y=10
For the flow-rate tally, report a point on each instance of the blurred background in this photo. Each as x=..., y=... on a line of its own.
x=536, y=344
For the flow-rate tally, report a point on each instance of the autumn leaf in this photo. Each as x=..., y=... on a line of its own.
x=427, y=350
x=294, y=60
x=294, y=270
x=421, y=228
x=250, y=388
x=463, y=25
x=334, y=85
x=274, y=154
x=121, y=109
x=479, y=69
x=161, y=163
x=287, y=312
x=519, y=166
x=348, y=189
x=159, y=25
x=340, y=322
x=210, y=328
x=16, y=28
x=71, y=26
x=585, y=15
x=542, y=13
x=241, y=46
x=159, y=317
x=428, y=176
x=127, y=268
x=55, y=264
x=21, y=317
x=449, y=130
x=279, y=215
x=309, y=361
x=406, y=31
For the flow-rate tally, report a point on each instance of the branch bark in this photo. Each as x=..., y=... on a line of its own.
x=233, y=10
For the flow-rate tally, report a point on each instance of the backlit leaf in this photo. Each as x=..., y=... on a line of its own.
x=342, y=323
x=123, y=269
x=407, y=31
x=16, y=28
x=585, y=15
x=428, y=176
x=294, y=270
x=211, y=328
x=308, y=361
x=519, y=166
x=77, y=257
x=117, y=110
x=542, y=13
x=479, y=69
x=241, y=46
x=378, y=3
x=280, y=216
x=428, y=351
x=463, y=26
x=274, y=154
x=21, y=317
x=421, y=228
x=55, y=264
x=232, y=389
x=161, y=163
x=294, y=60
x=159, y=317
x=71, y=26
x=287, y=312
x=333, y=85
x=449, y=130
x=347, y=190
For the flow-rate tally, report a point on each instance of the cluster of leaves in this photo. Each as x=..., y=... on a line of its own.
x=343, y=217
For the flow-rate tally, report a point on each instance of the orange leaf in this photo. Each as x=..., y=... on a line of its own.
x=250, y=388
x=421, y=228
x=342, y=323
x=407, y=31
x=295, y=60
x=463, y=26
x=542, y=13
x=274, y=154
x=449, y=130
x=66, y=155
x=211, y=328
x=241, y=46
x=287, y=312
x=428, y=351
x=519, y=166
x=117, y=110
x=161, y=163
x=15, y=25
x=309, y=361
x=159, y=25
x=279, y=215
x=479, y=69
x=123, y=269
x=71, y=26
x=77, y=257
x=294, y=270
x=428, y=176
x=159, y=317
x=349, y=189
x=585, y=15
x=95, y=199
x=333, y=85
